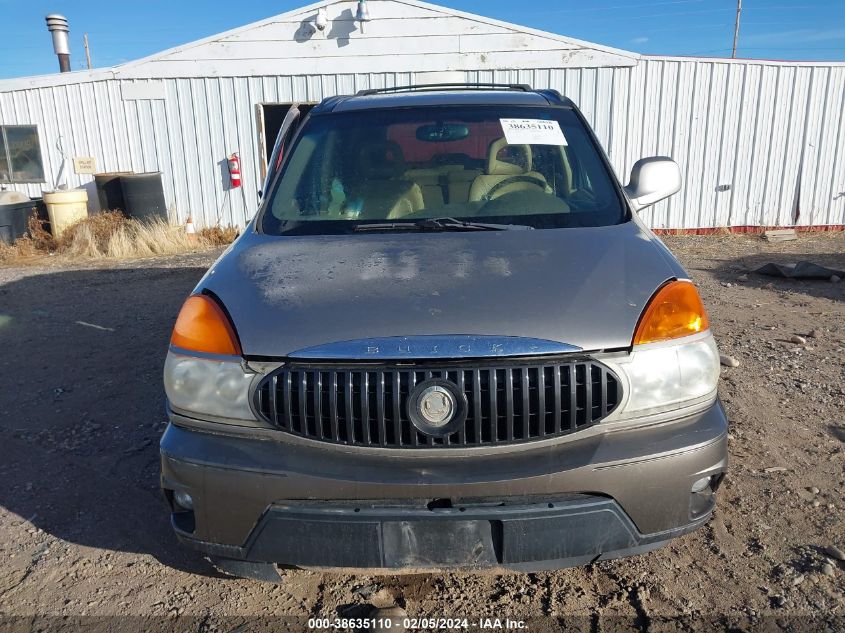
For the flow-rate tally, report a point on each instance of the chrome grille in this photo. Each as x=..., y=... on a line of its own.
x=365, y=405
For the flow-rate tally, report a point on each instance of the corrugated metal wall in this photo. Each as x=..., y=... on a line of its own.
x=758, y=143
x=187, y=135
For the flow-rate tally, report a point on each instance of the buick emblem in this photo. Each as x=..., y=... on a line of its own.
x=437, y=407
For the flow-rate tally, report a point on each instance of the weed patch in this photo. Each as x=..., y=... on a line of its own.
x=111, y=235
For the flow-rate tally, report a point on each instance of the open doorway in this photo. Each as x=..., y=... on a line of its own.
x=270, y=117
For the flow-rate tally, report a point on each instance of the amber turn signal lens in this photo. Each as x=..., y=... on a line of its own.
x=674, y=311
x=202, y=326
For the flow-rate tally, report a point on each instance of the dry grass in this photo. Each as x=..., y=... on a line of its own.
x=42, y=240
x=111, y=235
x=218, y=236
x=91, y=238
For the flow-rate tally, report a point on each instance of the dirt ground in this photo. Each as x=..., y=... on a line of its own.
x=83, y=531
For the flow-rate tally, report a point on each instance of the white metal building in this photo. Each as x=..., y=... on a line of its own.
x=760, y=143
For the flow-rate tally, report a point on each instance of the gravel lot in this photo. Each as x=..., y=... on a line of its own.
x=83, y=531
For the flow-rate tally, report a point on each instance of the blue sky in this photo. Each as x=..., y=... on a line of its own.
x=121, y=31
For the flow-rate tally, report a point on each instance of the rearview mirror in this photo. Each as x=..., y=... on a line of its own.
x=652, y=180
x=442, y=132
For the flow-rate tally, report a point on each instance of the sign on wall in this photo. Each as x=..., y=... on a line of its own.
x=84, y=164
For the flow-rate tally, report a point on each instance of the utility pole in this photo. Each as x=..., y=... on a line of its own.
x=88, y=52
x=736, y=27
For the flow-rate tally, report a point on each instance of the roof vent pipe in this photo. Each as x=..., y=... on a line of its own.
x=57, y=25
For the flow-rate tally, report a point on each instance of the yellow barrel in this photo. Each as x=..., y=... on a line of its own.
x=65, y=208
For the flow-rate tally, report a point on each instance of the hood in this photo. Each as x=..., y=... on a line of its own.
x=584, y=287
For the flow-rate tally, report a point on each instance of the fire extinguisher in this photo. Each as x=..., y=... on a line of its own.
x=235, y=170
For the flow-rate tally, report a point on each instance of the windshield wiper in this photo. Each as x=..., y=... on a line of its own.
x=450, y=224
x=439, y=224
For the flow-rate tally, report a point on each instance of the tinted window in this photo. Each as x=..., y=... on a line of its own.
x=515, y=165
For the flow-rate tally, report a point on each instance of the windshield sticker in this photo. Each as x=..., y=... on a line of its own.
x=532, y=132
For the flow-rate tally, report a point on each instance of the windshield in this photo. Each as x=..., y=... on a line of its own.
x=524, y=166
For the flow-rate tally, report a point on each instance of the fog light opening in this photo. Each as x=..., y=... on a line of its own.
x=183, y=500
x=439, y=504
x=702, y=484
x=703, y=494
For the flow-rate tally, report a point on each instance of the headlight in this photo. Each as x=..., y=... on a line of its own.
x=218, y=388
x=667, y=376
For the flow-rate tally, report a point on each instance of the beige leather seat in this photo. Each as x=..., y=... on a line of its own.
x=460, y=182
x=443, y=184
x=382, y=189
x=430, y=181
x=518, y=163
x=381, y=160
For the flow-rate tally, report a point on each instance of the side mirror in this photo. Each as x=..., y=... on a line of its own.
x=652, y=180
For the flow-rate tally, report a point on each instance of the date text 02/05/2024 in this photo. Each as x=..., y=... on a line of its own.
x=380, y=624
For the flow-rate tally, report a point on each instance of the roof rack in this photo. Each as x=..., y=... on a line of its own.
x=452, y=86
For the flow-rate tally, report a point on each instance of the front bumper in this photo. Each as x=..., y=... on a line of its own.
x=603, y=496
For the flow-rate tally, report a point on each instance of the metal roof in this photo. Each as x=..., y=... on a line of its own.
x=143, y=68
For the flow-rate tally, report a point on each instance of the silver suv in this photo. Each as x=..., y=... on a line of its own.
x=445, y=341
